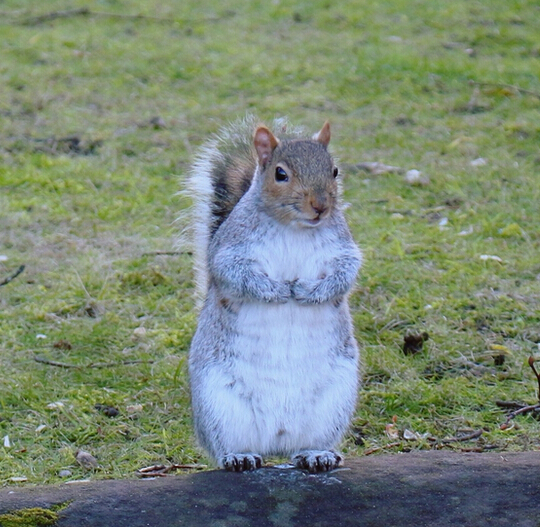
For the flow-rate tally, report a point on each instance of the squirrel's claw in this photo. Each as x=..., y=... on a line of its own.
x=241, y=462
x=317, y=460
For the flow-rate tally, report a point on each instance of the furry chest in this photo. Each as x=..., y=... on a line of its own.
x=288, y=254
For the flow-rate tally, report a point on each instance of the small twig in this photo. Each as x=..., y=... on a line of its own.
x=521, y=408
x=467, y=437
x=162, y=470
x=531, y=364
x=519, y=411
x=34, y=20
x=508, y=86
x=121, y=363
x=55, y=363
x=132, y=17
x=85, y=11
x=370, y=451
x=91, y=365
x=405, y=212
x=13, y=276
x=509, y=404
x=167, y=253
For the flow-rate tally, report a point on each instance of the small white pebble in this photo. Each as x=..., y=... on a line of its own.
x=490, y=257
x=443, y=222
x=86, y=460
x=479, y=162
x=64, y=473
x=40, y=428
x=410, y=435
x=467, y=231
x=415, y=177
x=18, y=479
x=41, y=336
x=139, y=332
x=7, y=443
x=57, y=404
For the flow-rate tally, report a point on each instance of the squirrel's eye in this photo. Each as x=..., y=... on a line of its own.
x=281, y=175
x=336, y=172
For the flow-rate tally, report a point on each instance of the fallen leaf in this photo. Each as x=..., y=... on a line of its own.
x=511, y=230
x=392, y=431
x=63, y=345
x=413, y=343
x=500, y=347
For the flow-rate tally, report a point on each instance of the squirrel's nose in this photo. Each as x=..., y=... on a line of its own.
x=319, y=206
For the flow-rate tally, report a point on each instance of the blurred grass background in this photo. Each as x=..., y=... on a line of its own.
x=102, y=106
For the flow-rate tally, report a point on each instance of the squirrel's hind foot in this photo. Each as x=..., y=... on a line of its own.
x=318, y=460
x=241, y=462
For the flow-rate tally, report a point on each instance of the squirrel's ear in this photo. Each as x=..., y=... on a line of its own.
x=265, y=143
x=324, y=135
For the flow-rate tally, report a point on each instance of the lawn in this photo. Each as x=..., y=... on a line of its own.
x=101, y=111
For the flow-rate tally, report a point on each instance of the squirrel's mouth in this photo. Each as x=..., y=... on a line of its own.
x=314, y=221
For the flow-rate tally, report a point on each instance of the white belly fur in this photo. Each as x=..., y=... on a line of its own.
x=289, y=382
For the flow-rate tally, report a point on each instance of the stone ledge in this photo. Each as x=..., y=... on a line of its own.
x=422, y=489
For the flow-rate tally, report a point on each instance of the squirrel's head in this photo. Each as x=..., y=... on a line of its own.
x=298, y=177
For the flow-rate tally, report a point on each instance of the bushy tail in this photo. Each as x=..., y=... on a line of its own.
x=220, y=175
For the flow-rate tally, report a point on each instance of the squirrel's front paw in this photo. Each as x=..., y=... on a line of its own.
x=273, y=291
x=241, y=462
x=306, y=291
x=318, y=460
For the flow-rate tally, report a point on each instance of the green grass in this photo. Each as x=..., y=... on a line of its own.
x=394, y=78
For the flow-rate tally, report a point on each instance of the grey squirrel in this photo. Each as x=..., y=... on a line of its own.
x=273, y=363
